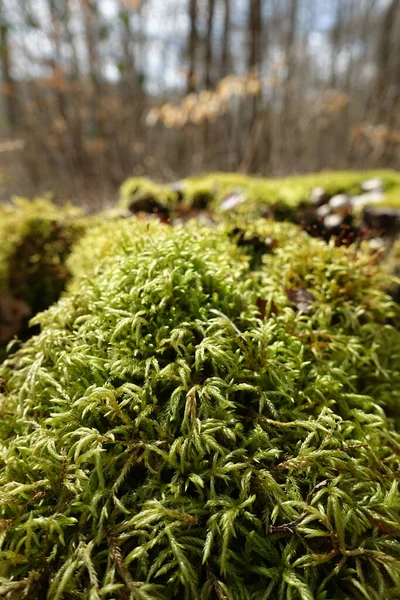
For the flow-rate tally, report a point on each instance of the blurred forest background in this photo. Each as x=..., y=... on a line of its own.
x=94, y=91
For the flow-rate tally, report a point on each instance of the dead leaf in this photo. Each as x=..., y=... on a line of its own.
x=262, y=305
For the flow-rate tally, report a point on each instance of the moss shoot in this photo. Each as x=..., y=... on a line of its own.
x=196, y=421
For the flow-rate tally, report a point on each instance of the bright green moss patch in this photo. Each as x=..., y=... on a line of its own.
x=194, y=423
x=105, y=239
x=36, y=237
x=292, y=192
x=285, y=194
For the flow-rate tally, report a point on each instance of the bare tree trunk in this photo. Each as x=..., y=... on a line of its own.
x=91, y=18
x=58, y=20
x=74, y=70
x=225, y=55
x=288, y=118
x=290, y=48
x=209, y=43
x=255, y=29
x=128, y=72
x=336, y=38
x=384, y=80
x=5, y=63
x=193, y=43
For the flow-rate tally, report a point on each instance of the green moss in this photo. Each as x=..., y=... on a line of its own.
x=181, y=429
x=136, y=188
x=107, y=237
x=293, y=192
x=392, y=197
x=36, y=239
x=286, y=195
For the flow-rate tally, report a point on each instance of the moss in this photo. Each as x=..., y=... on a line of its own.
x=36, y=239
x=284, y=195
x=191, y=423
x=106, y=237
x=293, y=192
x=392, y=197
x=139, y=188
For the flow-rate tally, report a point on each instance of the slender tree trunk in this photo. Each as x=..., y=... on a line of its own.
x=209, y=44
x=10, y=91
x=226, y=38
x=91, y=24
x=193, y=43
x=290, y=44
x=129, y=77
x=58, y=20
x=384, y=80
x=336, y=37
x=255, y=30
x=288, y=120
x=73, y=67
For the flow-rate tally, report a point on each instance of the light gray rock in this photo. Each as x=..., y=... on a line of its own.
x=340, y=202
x=372, y=185
x=333, y=221
x=233, y=201
x=318, y=196
x=372, y=197
x=323, y=211
x=377, y=243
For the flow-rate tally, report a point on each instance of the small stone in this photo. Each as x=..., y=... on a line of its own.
x=373, y=197
x=377, y=243
x=372, y=185
x=340, y=202
x=323, y=211
x=318, y=196
x=333, y=221
x=233, y=201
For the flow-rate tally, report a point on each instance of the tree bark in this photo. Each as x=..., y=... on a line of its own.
x=209, y=44
x=10, y=91
x=225, y=54
x=255, y=29
x=384, y=79
x=193, y=43
x=90, y=17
